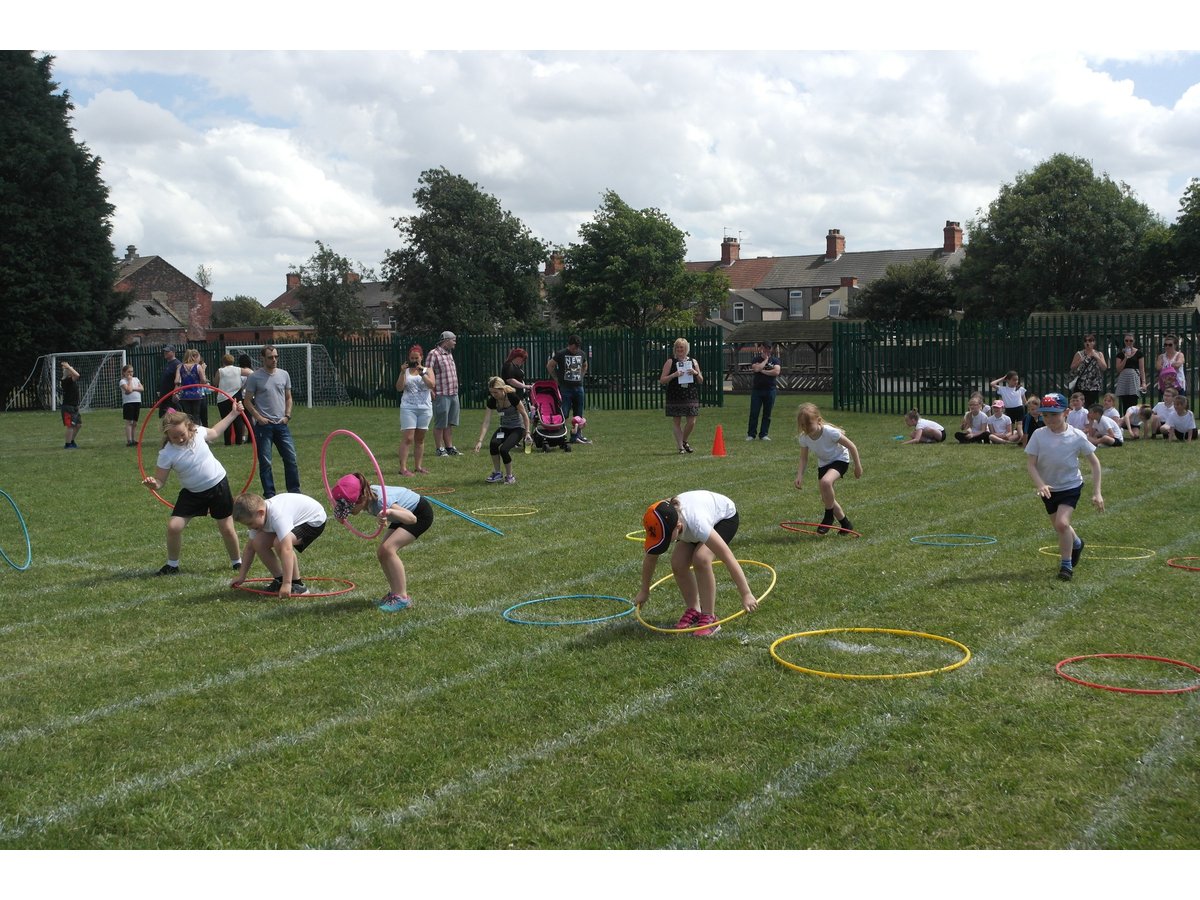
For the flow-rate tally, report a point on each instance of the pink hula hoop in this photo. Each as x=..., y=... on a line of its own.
x=329, y=490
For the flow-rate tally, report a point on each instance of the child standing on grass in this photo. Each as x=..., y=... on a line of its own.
x=924, y=431
x=834, y=451
x=72, y=418
x=280, y=530
x=1009, y=388
x=514, y=425
x=703, y=525
x=204, y=485
x=131, y=402
x=1052, y=457
x=408, y=516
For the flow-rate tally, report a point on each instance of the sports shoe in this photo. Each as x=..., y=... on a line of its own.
x=394, y=603
x=510, y=479
x=706, y=620
x=687, y=448
x=1076, y=553
x=274, y=586
x=826, y=522
x=582, y=440
x=299, y=587
x=168, y=569
x=765, y=437
x=452, y=451
x=846, y=524
x=235, y=565
x=750, y=437
x=1065, y=573
x=441, y=451
x=688, y=619
x=682, y=451
x=495, y=478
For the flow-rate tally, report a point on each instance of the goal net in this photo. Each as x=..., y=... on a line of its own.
x=99, y=377
x=315, y=382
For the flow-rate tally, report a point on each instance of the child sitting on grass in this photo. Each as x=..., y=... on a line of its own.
x=1102, y=430
x=1000, y=426
x=280, y=530
x=408, y=516
x=924, y=431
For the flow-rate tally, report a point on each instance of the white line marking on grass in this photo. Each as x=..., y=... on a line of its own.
x=1111, y=816
x=363, y=827
x=28, y=823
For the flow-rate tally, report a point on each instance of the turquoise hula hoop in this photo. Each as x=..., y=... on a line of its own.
x=24, y=528
x=940, y=540
x=508, y=617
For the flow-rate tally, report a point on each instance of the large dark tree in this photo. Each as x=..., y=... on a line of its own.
x=466, y=264
x=56, y=255
x=329, y=294
x=1185, y=237
x=243, y=311
x=628, y=270
x=1063, y=238
x=920, y=290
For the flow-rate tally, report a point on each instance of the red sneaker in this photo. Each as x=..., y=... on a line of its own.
x=706, y=632
x=690, y=617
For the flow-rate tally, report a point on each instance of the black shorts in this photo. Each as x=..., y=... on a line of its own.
x=726, y=528
x=131, y=411
x=424, y=514
x=217, y=502
x=840, y=465
x=1062, y=498
x=304, y=534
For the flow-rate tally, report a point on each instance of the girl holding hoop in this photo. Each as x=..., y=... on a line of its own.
x=834, y=451
x=703, y=525
x=416, y=409
x=514, y=425
x=204, y=483
x=408, y=516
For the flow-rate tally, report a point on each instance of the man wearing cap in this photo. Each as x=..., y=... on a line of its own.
x=703, y=524
x=1052, y=458
x=569, y=368
x=166, y=381
x=440, y=361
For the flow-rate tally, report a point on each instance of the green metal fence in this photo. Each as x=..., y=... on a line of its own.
x=935, y=366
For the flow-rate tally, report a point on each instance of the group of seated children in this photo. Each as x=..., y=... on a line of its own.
x=1170, y=419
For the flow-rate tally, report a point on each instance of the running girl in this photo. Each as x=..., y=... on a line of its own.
x=834, y=452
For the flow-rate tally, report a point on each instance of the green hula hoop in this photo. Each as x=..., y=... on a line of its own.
x=740, y=612
x=883, y=676
x=24, y=528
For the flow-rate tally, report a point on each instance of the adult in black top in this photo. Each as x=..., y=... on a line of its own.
x=166, y=382
x=766, y=367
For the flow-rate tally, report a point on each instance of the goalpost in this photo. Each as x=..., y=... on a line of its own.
x=314, y=380
x=99, y=374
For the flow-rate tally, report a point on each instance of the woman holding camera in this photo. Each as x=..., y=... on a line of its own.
x=416, y=409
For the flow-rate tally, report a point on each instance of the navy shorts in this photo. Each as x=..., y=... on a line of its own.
x=1062, y=498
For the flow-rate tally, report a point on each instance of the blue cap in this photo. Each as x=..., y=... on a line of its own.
x=1053, y=403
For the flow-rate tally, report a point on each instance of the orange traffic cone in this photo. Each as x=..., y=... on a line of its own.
x=719, y=443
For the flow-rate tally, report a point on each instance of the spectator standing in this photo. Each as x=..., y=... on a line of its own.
x=166, y=381
x=1171, y=359
x=513, y=372
x=682, y=377
x=569, y=368
x=766, y=367
x=415, y=384
x=267, y=394
x=1131, y=374
x=1088, y=365
x=191, y=375
x=230, y=378
x=445, y=393
x=131, y=402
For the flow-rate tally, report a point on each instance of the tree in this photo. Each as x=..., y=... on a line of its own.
x=246, y=312
x=921, y=290
x=629, y=270
x=1062, y=238
x=1185, y=237
x=56, y=255
x=329, y=289
x=203, y=275
x=466, y=264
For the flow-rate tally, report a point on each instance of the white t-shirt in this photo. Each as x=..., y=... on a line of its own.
x=1162, y=410
x=193, y=462
x=135, y=390
x=1106, y=426
x=826, y=445
x=229, y=379
x=1078, y=418
x=922, y=424
x=700, y=511
x=976, y=421
x=286, y=511
x=1058, y=456
x=1012, y=397
x=1001, y=424
x=1112, y=413
x=1185, y=422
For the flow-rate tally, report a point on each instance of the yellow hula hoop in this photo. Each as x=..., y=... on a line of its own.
x=639, y=535
x=740, y=612
x=1146, y=552
x=877, y=677
x=527, y=511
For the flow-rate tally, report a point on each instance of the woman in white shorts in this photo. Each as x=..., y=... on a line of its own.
x=416, y=409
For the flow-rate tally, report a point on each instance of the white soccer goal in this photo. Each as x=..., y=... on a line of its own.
x=314, y=380
x=99, y=377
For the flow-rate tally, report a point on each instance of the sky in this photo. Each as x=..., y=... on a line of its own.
x=772, y=123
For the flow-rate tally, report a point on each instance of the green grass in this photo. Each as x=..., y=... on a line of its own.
x=138, y=712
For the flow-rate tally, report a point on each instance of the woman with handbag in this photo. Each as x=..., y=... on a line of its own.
x=1088, y=368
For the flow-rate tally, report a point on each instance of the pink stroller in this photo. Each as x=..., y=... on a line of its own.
x=549, y=424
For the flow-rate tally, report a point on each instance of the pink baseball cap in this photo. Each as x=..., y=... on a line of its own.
x=346, y=493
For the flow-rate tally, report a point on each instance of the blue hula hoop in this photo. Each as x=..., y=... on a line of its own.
x=976, y=540
x=598, y=619
x=24, y=528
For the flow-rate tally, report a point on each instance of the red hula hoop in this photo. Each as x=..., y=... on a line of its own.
x=350, y=585
x=787, y=526
x=1174, y=563
x=172, y=393
x=1124, y=690
x=329, y=490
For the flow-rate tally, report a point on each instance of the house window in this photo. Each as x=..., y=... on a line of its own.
x=739, y=312
x=796, y=304
x=835, y=308
x=825, y=293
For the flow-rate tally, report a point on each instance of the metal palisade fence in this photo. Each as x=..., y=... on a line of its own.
x=935, y=366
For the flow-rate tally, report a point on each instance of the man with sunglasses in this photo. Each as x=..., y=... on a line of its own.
x=267, y=396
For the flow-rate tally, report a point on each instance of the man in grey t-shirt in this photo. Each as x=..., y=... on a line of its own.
x=267, y=396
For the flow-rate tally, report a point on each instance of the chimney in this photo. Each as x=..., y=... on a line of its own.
x=849, y=281
x=293, y=280
x=130, y=252
x=351, y=278
x=952, y=237
x=554, y=264
x=835, y=244
x=731, y=251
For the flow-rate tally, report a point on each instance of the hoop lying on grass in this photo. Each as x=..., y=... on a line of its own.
x=788, y=526
x=489, y=510
x=507, y=614
x=871, y=677
x=25, y=529
x=150, y=416
x=1090, y=552
x=740, y=612
x=378, y=474
x=953, y=540
x=639, y=536
x=1175, y=563
x=347, y=587
x=1124, y=690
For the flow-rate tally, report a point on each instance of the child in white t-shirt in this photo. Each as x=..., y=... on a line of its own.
x=1000, y=426
x=1102, y=430
x=1181, y=424
x=924, y=431
x=280, y=529
x=834, y=451
x=1077, y=414
x=1162, y=409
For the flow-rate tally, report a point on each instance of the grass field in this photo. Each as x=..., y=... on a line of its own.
x=141, y=712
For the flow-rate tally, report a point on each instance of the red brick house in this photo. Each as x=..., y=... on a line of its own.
x=375, y=297
x=167, y=306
